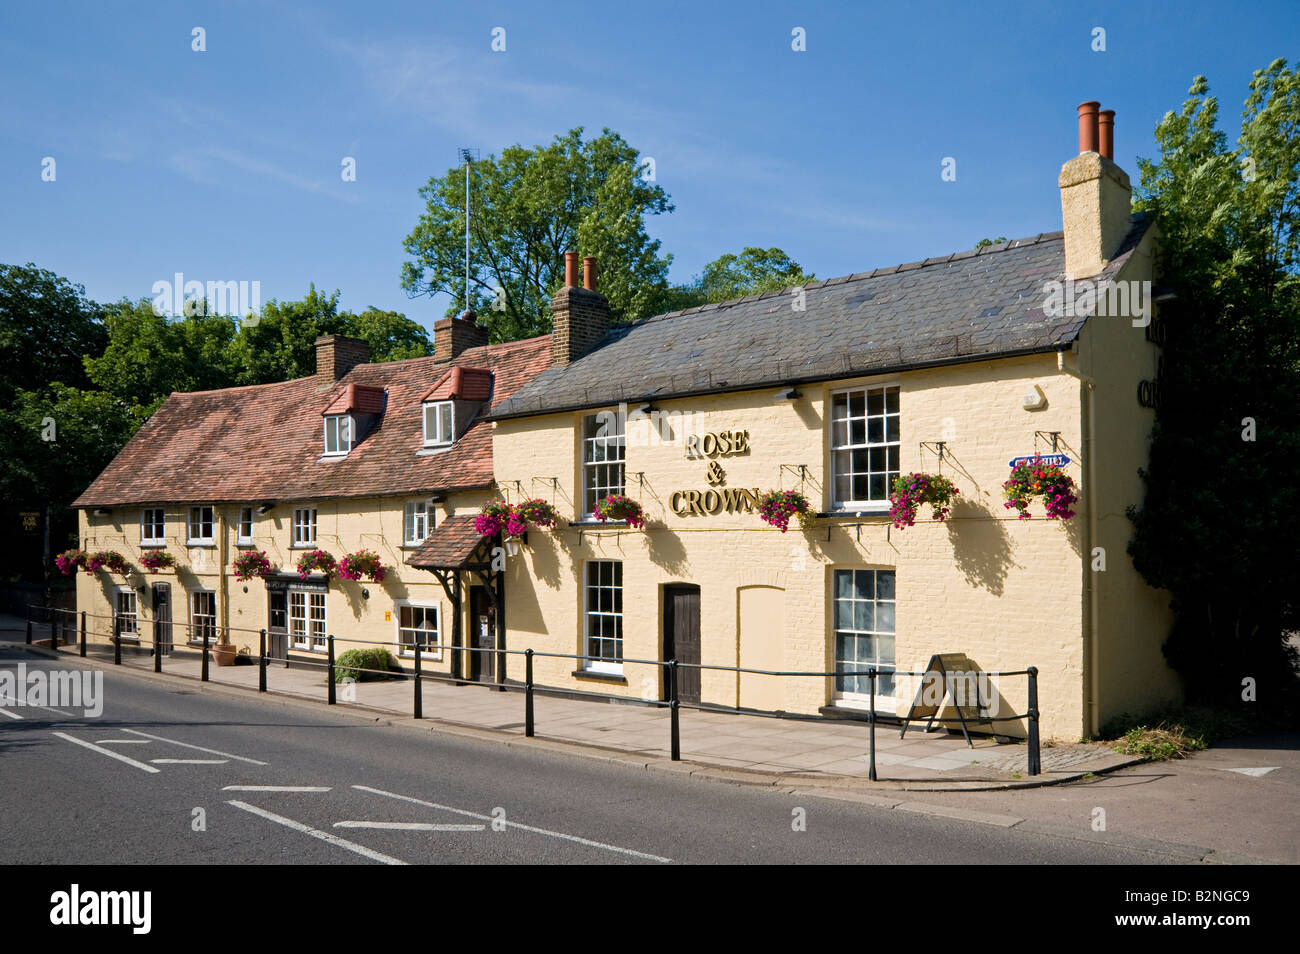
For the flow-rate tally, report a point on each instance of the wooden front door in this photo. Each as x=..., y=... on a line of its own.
x=682, y=639
x=277, y=625
x=482, y=635
x=161, y=597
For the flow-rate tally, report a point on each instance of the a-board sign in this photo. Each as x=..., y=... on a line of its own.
x=1060, y=460
x=949, y=678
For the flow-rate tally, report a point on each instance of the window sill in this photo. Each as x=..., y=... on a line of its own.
x=861, y=512
x=303, y=546
x=597, y=524
x=152, y=544
x=244, y=543
x=597, y=675
x=434, y=656
x=201, y=544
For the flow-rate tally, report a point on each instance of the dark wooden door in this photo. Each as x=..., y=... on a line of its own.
x=277, y=625
x=682, y=638
x=482, y=635
x=161, y=595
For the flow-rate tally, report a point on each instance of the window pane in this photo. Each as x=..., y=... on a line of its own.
x=891, y=400
x=885, y=585
x=885, y=617
x=878, y=487
x=862, y=584
x=891, y=428
x=875, y=402
x=444, y=423
x=843, y=583
x=875, y=430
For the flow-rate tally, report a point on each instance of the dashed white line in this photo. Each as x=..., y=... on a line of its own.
x=122, y=742
x=316, y=833
x=109, y=752
x=275, y=788
x=408, y=826
x=197, y=748
x=511, y=824
x=189, y=761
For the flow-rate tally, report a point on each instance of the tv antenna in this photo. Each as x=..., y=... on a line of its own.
x=467, y=156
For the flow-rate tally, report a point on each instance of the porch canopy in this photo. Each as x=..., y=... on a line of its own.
x=455, y=547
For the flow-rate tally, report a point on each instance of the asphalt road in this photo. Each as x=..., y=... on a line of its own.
x=132, y=786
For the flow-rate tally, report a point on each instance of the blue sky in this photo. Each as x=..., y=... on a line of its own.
x=225, y=164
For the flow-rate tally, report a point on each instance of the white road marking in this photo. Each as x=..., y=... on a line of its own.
x=12, y=715
x=197, y=748
x=408, y=826
x=275, y=788
x=315, y=833
x=511, y=824
x=109, y=752
x=189, y=761
x=123, y=742
x=1255, y=772
x=71, y=715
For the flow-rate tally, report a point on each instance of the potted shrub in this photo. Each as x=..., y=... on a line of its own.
x=155, y=560
x=363, y=563
x=620, y=507
x=224, y=650
x=317, y=560
x=778, y=506
x=913, y=490
x=69, y=561
x=1035, y=478
x=251, y=563
x=110, y=560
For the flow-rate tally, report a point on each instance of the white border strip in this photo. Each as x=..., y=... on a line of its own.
x=111, y=754
x=322, y=835
x=197, y=748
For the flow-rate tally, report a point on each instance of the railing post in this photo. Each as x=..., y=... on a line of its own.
x=528, y=693
x=871, y=723
x=54, y=629
x=157, y=650
x=204, y=675
x=261, y=661
x=1035, y=763
x=674, y=717
x=329, y=641
x=29, y=625
x=83, y=634
x=419, y=696
x=117, y=643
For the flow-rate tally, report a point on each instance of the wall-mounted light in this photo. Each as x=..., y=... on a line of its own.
x=1034, y=400
x=789, y=394
x=365, y=593
x=266, y=507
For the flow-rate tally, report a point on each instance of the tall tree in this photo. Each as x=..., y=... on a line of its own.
x=528, y=208
x=730, y=276
x=46, y=325
x=1226, y=446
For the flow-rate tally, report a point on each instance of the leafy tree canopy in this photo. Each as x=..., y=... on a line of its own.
x=46, y=325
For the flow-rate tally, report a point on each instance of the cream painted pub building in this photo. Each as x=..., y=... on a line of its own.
x=956, y=365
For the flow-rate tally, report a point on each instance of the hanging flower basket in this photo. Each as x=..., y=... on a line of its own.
x=778, y=506
x=1036, y=478
x=69, y=561
x=155, y=560
x=317, y=560
x=915, y=489
x=251, y=563
x=514, y=520
x=538, y=513
x=492, y=520
x=363, y=563
x=621, y=507
x=109, y=560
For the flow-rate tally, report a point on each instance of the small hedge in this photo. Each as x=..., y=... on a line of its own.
x=354, y=663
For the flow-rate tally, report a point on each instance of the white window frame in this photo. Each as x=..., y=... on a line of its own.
x=411, y=518
x=241, y=537
x=602, y=663
x=433, y=637
x=307, y=629
x=336, y=420
x=444, y=431
x=126, y=625
x=302, y=532
x=148, y=538
x=885, y=701
x=199, y=621
x=604, y=459
x=198, y=540
x=867, y=446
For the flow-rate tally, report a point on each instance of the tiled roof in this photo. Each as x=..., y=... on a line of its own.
x=469, y=384
x=450, y=545
x=265, y=442
x=960, y=307
x=359, y=398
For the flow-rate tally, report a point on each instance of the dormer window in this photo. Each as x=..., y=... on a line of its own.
x=438, y=423
x=338, y=434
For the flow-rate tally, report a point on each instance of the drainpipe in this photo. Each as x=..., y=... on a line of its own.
x=223, y=583
x=1091, y=651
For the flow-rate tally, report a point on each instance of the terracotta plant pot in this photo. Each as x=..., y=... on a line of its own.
x=224, y=653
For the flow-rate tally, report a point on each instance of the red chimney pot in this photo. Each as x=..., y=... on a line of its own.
x=1088, y=126
x=589, y=273
x=571, y=269
x=1106, y=133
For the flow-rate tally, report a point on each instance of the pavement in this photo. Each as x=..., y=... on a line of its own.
x=745, y=747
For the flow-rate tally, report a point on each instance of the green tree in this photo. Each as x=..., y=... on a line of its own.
x=46, y=325
x=1213, y=528
x=988, y=241
x=752, y=272
x=528, y=208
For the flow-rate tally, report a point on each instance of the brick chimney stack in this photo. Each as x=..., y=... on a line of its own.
x=451, y=336
x=1096, y=196
x=579, y=316
x=336, y=355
